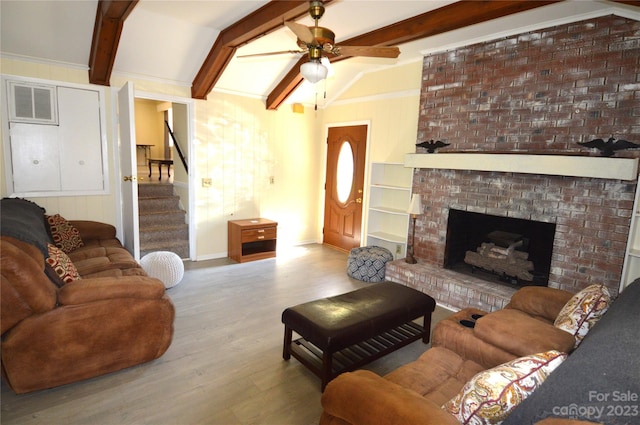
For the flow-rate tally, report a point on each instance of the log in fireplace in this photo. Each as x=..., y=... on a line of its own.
x=508, y=250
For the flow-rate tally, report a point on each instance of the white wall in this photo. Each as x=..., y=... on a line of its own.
x=390, y=100
x=241, y=146
x=238, y=144
x=149, y=128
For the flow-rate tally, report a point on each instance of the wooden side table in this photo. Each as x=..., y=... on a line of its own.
x=252, y=239
x=161, y=162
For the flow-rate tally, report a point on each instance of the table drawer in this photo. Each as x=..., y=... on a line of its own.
x=252, y=235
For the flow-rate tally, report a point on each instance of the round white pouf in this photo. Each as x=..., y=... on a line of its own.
x=164, y=265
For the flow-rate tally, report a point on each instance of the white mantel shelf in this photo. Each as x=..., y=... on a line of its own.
x=554, y=165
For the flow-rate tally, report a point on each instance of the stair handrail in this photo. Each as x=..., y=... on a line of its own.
x=177, y=145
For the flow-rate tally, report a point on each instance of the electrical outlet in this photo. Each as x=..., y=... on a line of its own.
x=206, y=182
x=398, y=249
x=272, y=180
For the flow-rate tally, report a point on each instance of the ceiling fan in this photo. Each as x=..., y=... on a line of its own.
x=317, y=40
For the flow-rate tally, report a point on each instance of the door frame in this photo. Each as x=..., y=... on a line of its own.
x=323, y=180
x=128, y=169
x=190, y=104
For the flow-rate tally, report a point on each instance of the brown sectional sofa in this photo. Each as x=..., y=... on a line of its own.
x=605, y=362
x=113, y=317
x=523, y=327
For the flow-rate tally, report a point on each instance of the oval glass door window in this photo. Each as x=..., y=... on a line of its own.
x=344, y=171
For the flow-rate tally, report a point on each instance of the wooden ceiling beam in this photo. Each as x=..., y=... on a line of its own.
x=448, y=18
x=268, y=18
x=110, y=17
x=635, y=3
x=286, y=86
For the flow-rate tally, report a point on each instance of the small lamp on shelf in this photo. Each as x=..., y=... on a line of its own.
x=415, y=208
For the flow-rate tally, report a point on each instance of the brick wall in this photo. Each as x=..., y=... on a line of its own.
x=540, y=91
x=592, y=217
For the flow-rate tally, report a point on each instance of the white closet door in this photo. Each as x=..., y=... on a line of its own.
x=80, y=143
x=35, y=157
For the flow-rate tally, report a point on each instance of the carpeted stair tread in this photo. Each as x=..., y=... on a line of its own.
x=162, y=221
x=156, y=245
x=157, y=196
x=164, y=227
x=164, y=203
x=161, y=212
x=164, y=233
x=154, y=189
x=160, y=218
x=179, y=247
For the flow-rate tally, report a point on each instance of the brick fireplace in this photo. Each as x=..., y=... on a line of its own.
x=536, y=92
x=499, y=248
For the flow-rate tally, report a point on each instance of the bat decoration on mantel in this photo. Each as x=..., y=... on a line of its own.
x=431, y=146
x=609, y=147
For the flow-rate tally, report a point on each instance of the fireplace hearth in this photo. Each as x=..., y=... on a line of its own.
x=505, y=250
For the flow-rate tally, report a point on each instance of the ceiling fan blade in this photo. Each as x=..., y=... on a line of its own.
x=282, y=52
x=371, y=51
x=302, y=32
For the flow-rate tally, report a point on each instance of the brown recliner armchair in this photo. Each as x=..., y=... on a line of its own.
x=523, y=327
x=415, y=392
x=92, y=326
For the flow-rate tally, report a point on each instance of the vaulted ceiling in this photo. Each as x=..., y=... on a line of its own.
x=197, y=43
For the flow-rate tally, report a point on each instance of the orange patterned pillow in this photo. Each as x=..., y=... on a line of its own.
x=583, y=310
x=65, y=236
x=62, y=265
x=490, y=396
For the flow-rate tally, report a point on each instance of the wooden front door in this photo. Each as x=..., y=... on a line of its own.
x=344, y=186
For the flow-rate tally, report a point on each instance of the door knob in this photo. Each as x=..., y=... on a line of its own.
x=130, y=178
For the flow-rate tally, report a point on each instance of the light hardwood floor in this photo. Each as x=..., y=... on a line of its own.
x=225, y=363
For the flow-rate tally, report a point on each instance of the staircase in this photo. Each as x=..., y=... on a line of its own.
x=162, y=221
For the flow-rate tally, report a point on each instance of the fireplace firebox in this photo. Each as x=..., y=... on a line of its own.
x=500, y=249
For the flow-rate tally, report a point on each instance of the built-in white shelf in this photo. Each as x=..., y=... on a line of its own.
x=392, y=187
x=555, y=165
x=388, y=237
x=634, y=252
x=388, y=210
x=388, y=201
x=631, y=265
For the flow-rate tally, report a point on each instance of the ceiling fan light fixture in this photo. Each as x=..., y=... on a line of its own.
x=313, y=71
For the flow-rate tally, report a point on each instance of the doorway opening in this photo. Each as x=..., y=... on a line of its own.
x=162, y=202
x=134, y=174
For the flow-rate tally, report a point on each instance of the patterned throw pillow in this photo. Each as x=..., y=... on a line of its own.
x=62, y=265
x=583, y=310
x=53, y=275
x=491, y=395
x=65, y=236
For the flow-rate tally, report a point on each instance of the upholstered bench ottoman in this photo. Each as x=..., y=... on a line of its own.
x=345, y=332
x=368, y=263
